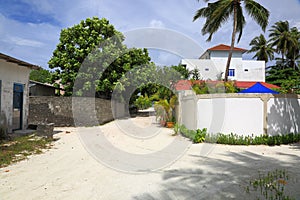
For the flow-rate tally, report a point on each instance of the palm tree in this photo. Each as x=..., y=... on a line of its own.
x=219, y=12
x=263, y=49
x=283, y=38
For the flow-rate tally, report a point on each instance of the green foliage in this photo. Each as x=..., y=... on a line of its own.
x=202, y=87
x=197, y=136
x=262, y=49
x=165, y=109
x=270, y=186
x=182, y=70
x=143, y=102
x=41, y=75
x=285, y=77
x=200, y=135
x=92, y=53
x=21, y=147
x=234, y=139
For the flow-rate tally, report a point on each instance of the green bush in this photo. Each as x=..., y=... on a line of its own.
x=234, y=139
x=143, y=102
x=197, y=136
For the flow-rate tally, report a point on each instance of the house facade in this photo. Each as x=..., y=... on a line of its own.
x=212, y=65
x=14, y=91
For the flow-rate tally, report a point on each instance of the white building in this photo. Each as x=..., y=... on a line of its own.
x=14, y=82
x=212, y=65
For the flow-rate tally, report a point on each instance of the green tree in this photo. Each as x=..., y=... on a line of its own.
x=92, y=53
x=75, y=44
x=284, y=39
x=182, y=70
x=41, y=75
x=262, y=49
x=219, y=12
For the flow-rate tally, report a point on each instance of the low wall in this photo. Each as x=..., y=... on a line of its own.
x=72, y=111
x=242, y=114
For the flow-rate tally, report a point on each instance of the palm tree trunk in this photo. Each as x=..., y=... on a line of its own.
x=232, y=40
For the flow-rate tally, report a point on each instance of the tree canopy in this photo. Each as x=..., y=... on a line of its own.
x=92, y=54
x=41, y=75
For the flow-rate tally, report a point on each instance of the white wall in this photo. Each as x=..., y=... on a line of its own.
x=11, y=73
x=241, y=116
x=283, y=115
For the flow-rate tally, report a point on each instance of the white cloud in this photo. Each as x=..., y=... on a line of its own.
x=25, y=42
x=156, y=24
x=36, y=42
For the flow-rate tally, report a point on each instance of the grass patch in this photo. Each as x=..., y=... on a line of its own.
x=19, y=148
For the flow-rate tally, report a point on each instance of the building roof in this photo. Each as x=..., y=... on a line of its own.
x=223, y=47
x=187, y=84
x=18, y=62
x=32, y=83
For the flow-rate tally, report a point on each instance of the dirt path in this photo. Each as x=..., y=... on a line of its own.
x=205, y=171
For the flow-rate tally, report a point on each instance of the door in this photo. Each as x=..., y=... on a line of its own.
x=18, y=106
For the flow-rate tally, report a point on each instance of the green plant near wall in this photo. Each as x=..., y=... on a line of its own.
x=234, y=139
x=269, y=186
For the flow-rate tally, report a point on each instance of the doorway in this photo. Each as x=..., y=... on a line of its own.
x=18, y=106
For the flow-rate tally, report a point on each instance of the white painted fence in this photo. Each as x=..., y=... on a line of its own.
x=242, y=114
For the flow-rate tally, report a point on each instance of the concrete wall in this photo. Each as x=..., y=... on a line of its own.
x=68, y=111
x=242, y=114
x=11, y=73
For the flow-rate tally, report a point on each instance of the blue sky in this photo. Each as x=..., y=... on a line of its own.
x=30, y=29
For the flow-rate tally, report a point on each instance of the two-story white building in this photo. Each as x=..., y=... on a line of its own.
x=212, y=65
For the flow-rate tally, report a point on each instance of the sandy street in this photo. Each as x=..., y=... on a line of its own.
x=204, y=171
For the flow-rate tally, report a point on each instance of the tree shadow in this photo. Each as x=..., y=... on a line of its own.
x=284, y=116
x=215, y=178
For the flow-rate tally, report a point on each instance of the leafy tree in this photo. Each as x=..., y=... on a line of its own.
x=263, y=50
x=195, y=74
x=75, y=44
x=92, y=53
x=284, y=39
x=217, y=13
x=182, y=70
x=41, y=75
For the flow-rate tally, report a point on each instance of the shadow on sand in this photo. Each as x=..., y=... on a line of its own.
x=222, y=179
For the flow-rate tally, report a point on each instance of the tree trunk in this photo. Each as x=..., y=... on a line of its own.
x=232, y=40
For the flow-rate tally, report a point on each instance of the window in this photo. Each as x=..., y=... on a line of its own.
x=206, y=69
x=231, y=72
x=246, y=70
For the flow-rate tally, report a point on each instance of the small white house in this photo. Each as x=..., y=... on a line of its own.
x=212, y=65
x=14, y=84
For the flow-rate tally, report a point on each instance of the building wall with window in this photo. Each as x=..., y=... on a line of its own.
x=212, y=65
x=14, y=76
x=214, y=69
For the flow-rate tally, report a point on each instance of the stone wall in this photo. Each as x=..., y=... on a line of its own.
x=72, y=111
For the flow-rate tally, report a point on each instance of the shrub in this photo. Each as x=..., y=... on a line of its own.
x=200, y=135
x=143, y=102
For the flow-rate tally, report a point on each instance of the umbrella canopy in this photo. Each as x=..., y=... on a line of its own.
x=259, y=88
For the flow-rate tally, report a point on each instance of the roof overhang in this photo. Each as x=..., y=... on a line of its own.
x=18, y=62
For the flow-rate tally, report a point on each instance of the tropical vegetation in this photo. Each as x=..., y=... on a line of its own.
x=284, y=42
x=219, y=12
